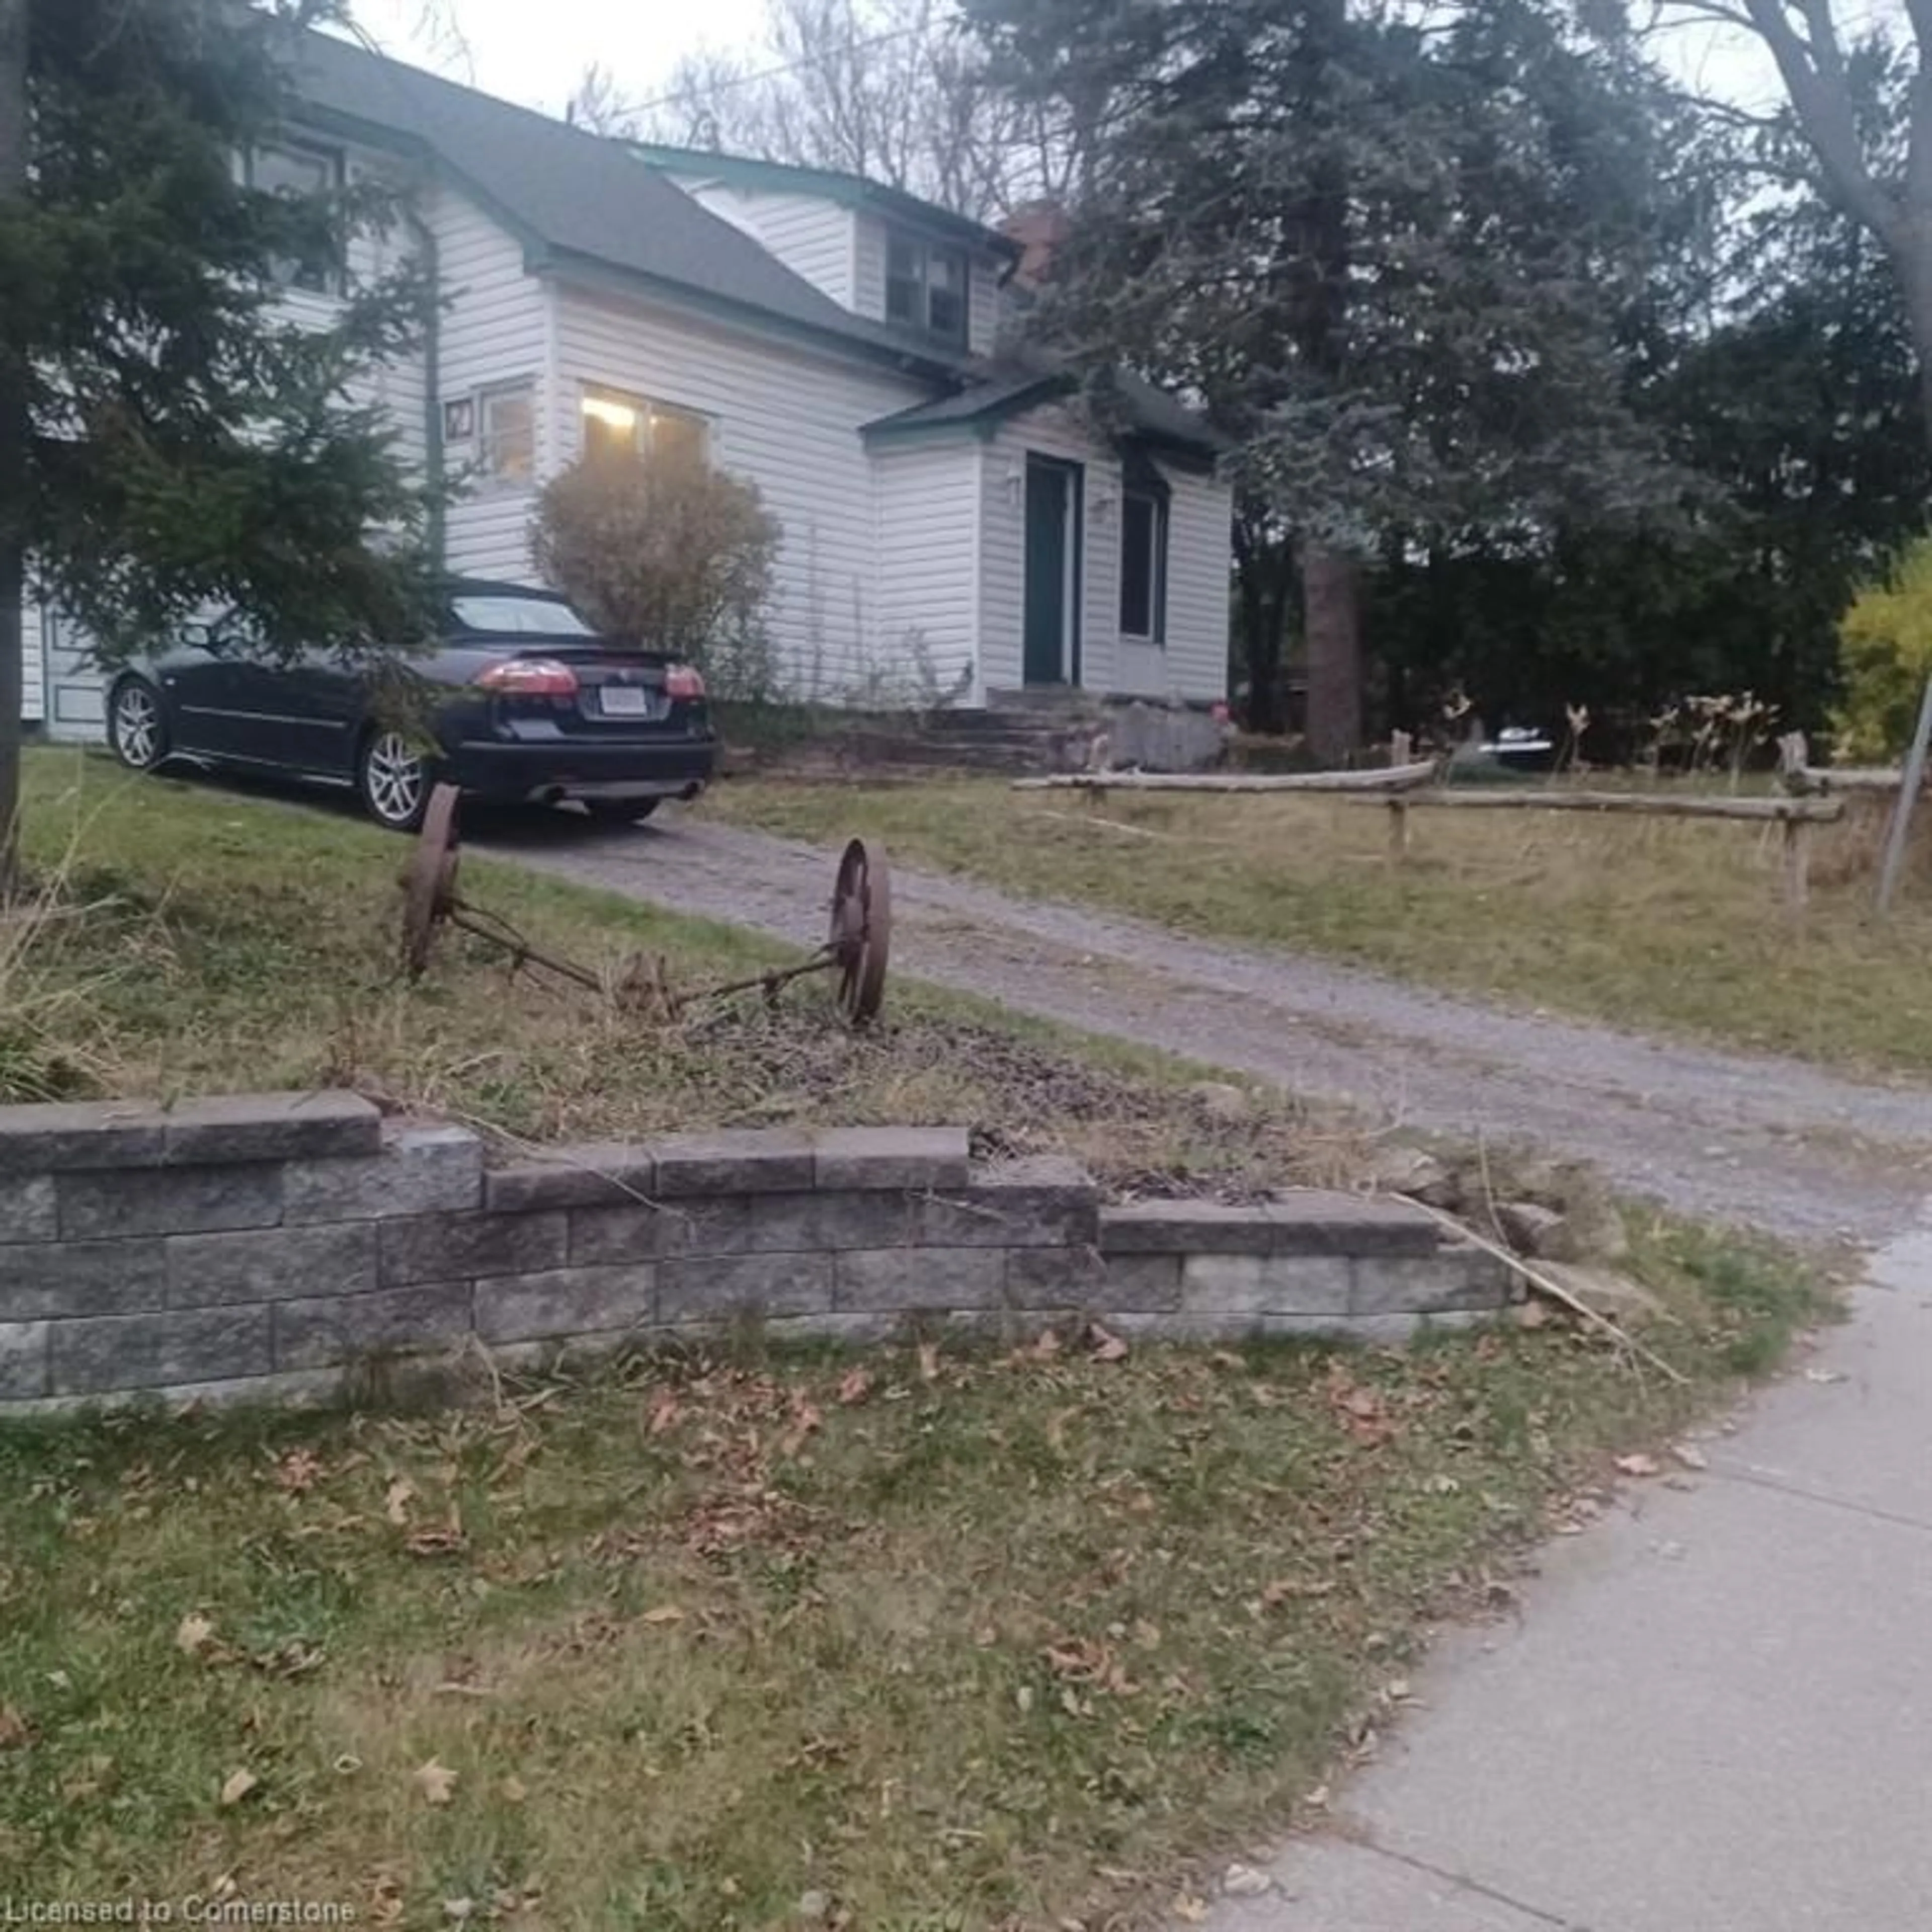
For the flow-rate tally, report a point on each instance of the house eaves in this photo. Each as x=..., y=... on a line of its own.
x=584, y=204
x=849, y=190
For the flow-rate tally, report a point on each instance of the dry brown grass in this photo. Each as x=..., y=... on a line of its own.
x=1675, y=926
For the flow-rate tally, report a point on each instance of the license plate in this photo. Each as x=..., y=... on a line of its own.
x=626, y=700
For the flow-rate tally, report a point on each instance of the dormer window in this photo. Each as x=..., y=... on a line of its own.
x=925, y=288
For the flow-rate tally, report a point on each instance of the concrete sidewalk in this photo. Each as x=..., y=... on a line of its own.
x=1716, y=1713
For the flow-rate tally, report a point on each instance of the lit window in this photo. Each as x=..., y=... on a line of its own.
x=618, y=424
x=925, y=288
x=506, y=440
x=300, y=174
x=1144, y=566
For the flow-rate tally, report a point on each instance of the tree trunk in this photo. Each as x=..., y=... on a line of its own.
x=12, y=449
x=1331, y=623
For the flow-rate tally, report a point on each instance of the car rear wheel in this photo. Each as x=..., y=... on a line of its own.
x=135, y=727
x=621, y=810
x=393, y=779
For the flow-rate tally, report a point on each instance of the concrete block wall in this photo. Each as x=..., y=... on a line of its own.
x=259, y=1245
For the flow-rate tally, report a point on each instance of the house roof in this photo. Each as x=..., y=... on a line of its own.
x=571, y=195
x=997, y=390
x=577, y=200
x=829, y=183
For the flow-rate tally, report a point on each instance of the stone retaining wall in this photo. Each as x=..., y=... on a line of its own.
x=259, y=1245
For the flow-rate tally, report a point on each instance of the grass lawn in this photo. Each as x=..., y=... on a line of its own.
x=940, y=1640
x=201, y=940
x=1667, y=924
x=953, y=1641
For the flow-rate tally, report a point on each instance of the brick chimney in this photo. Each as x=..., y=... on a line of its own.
x=1039, y=227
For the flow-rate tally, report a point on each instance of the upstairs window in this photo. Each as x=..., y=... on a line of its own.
x=925, y=288
x=1144, y=566
x=618, y=424
x=301, y=173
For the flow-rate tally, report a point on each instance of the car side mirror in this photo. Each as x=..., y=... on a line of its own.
x=198, y=637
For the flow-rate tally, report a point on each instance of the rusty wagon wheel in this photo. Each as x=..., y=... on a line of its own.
x=862, y=930
x=429, y=880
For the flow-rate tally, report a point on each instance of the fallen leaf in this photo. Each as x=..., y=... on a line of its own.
x=1191, y=1910
x=1691, y=1456
x=237, y=1785
x=1279, y=1592
x=13, y=1729
x=1639, y=1465
x=436, y=1781
x=513, y=1790
x=194, y=1634
x=665, y=1613
x=1244, y=1882
x=458, y=1909
x=1532, y=1315
x=297, y=1470
x=857, y=1386
x=1048, y=1346
x=1824, y=1376
x=665, y=1413
x=396, y=1499
x=928, y=1361
x=1107, y=1346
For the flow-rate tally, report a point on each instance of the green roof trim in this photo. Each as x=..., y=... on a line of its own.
x=850, y=191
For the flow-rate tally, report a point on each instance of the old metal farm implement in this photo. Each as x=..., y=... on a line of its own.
x=855, y=948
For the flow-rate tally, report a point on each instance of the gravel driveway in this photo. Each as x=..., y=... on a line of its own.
x=1770, y=1143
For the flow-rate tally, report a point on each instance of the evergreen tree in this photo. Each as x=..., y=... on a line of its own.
x=172, y=443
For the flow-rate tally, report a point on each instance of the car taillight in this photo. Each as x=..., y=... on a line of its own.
x=530, y=677
x=683, y=683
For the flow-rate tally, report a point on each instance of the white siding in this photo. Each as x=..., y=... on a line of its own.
x=868, y=288
x=928, y=512
x=783, y=418
x=984, y=302
x=493, y=332
x=1193, y=662
x=33, y=685
x=811, y=234
x=1200, y=553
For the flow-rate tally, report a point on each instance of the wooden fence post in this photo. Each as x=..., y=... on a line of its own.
x=1797, y=865
x=1399, y=754
x=1911, y=781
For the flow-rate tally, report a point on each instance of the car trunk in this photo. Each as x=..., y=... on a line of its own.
x=619, y=693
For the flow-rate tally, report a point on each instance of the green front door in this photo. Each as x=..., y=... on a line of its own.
x=1052, y=637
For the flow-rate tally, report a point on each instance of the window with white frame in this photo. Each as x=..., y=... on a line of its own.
x=506, y=434
x=618, y=424
x=300, y=172
x=1144, y=566
x=925, y=288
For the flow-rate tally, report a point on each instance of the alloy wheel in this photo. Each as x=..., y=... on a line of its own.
x=395, y=781
x=137, y=726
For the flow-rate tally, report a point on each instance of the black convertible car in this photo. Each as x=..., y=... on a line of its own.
x=520, y=700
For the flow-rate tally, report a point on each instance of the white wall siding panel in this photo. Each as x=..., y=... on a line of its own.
x=493, y=332
x=811, y=234
x=788, y=421
x=869, y=269
x=984, y=300
x=33, y=689
x=928, y=525
x=1200, y=553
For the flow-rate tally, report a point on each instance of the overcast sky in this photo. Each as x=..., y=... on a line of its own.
x=534, y=52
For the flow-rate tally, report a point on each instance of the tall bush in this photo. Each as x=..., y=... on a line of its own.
x=667, y=550
x=1885, y=653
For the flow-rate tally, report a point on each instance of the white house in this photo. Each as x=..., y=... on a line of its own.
x=948, y=513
